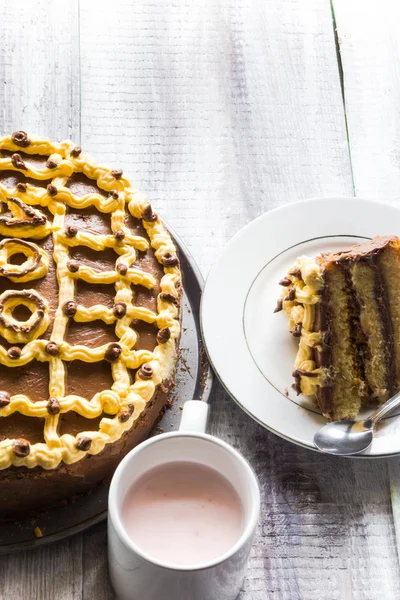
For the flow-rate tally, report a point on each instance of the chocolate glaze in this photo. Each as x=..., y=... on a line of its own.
x=22, y=489
x=29, y=490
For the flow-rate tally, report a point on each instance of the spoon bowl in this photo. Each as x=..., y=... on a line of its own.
x=347, y=438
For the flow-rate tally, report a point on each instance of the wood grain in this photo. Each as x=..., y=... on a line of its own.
x=370, y=53
x=39, y=92
x=219, y=110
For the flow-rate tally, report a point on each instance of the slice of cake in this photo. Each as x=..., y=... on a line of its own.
x=344, y=308
x=90, y=291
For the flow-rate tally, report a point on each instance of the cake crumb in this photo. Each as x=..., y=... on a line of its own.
x=181, y=407
x=38, y=532
x=286, y=392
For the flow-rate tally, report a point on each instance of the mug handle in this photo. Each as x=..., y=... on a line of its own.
x=194, y=416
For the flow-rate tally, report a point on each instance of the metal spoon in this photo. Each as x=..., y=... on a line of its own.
x=345, y=438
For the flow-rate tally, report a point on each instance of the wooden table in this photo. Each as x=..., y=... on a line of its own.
x=221, y=110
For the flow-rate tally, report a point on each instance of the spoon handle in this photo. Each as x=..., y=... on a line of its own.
x=383, y=410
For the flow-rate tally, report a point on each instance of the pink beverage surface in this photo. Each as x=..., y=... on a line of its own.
x=183, y=513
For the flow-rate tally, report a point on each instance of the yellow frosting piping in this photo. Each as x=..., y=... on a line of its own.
x=125, y=393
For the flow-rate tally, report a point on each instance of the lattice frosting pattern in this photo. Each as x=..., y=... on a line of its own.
x=127, y=399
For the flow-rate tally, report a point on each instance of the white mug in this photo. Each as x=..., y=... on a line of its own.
x=137, y=576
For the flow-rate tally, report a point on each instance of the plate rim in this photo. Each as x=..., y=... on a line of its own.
x=374, y=203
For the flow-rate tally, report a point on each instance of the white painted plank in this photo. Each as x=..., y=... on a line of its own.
x=39, y=67
x=39, y=92
x=370, y=54
x=218, y=110
x=368, y=33
x=221, y=111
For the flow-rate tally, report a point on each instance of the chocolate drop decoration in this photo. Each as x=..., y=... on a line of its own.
x=148, y=215
x=21, y=187
x=4, y=399
x=169, y=260
x=73, y=266
x=125, y=414
x=279, y=305
x=167, y=297
x=119, y=310
x=295, y=273
x=69, y=308
x=71, y=231
x=122, y=269
x=291, y=295
x=296, y=331
x=76, y=151
x=14, y=352
x=285, y=282
x=21, y=447
x=117, y=173
x=21, y=139
x=164, y=335
x=17, y=162
x=53, y=406
x=114, y=194
x=113, y=352
x=52, y=349
x=51, y=163
x=52, y=190
x=145, y=371
x=119, y=235
x=83, y=443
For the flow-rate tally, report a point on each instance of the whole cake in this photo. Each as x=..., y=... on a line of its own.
x=90, y=291
x=344, y=308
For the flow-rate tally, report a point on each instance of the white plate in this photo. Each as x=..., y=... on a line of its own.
x=249, y=346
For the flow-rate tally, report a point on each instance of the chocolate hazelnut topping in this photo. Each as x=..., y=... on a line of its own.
x=114, y=194
x=4, y=399
x=148, y=215
x=169, y=260
x=164, y=335
x=291, y=295
x=119, y=310
x=117, y=173
x=21, y=139
x=125, y=414
x=285, y=282
x=76, y=151
x=119, y=235
x=295, y=273
x=53, y=406
x=52, y=190
x=279, y=306
x=21, y=447
x=14, y=352
x=51, y=163
x=21, y=187
x=113, y=352
x=71, y=231
x=17, y=162
x=73, y=266
x=122, y=269
x=145, y=371
x=70, y=308
x=296, y=331
x=84, y=443
x=167, y=297
x=52, y=349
